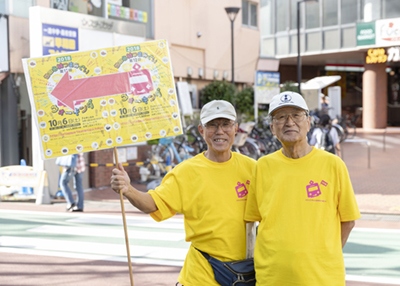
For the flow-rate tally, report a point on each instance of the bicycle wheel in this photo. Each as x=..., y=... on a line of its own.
x=162, y=152
x=195, y=140
x=250, y=149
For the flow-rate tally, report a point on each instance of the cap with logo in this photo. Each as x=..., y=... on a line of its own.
x=287, y=98
x=217, y=109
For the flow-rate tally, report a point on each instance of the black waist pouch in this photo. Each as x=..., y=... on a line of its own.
x=232, y=273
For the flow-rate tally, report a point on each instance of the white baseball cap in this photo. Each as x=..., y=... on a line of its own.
x=287, y=98
x=217, y=109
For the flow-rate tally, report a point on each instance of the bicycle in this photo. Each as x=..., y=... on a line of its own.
x=166, y=148
x=245, y=145
x=194, y=140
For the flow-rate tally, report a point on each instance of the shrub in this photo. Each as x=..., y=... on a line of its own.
x=218, y=90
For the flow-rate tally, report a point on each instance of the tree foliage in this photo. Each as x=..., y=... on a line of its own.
x=289, y=86
x=218, y=90
x=245, y=101
x=221, y=90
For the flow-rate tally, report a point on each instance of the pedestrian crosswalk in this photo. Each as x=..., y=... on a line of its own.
x=371, y=255
x=92, y=236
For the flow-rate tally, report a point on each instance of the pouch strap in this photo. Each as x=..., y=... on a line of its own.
x=205, y=254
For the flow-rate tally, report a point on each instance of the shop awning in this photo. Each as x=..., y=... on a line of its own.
x=320, y=82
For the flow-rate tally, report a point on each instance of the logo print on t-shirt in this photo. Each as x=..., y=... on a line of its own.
x=241, y=190
x=313, y=190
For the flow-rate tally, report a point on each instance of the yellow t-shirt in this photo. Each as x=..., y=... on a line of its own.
x=212, y=197
x=300, y=204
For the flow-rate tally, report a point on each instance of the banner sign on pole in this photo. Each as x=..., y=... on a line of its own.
x=59, y=39
x=267, y=85
x=93, y=100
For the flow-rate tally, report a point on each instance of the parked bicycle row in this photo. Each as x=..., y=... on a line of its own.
x=252, y=139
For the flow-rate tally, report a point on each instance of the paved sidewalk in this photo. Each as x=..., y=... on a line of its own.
x=377, y=191
x=377, y=188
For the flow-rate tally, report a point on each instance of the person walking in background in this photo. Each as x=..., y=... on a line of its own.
x=210, y=190
x=325, y=137
x=304, y=201
x=73, y=167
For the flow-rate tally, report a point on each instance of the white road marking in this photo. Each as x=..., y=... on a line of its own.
x=91, y=256
x=108, y=232
x=376, y=230
x=105, y=249
x=373, y=279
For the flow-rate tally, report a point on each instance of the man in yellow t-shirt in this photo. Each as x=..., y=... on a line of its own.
x=305, y=203
x=210, y=190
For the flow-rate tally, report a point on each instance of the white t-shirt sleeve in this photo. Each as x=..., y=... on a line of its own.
x=314, y=136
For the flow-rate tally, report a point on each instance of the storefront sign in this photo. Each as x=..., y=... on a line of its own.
x=365, y=34
x=376, y=56
x=127, y=13
x=19, y=176
x=93, y=100
x=59, y=39
x=388, y=32
x=393, y=54
x=267, y=85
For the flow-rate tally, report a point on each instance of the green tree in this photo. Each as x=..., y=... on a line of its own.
x=218, y=90
x=245, y=101
x=289, y=86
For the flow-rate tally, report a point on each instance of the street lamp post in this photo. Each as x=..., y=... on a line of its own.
x=232, y=12
x=298, y=42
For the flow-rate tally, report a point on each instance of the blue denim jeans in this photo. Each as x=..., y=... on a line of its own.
x=64, y=180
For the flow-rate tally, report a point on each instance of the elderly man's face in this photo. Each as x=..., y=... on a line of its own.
x=290, y=124
x=219, y=134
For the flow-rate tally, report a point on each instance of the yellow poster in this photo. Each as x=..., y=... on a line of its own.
x=93, y=100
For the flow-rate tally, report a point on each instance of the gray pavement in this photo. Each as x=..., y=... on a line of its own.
x=376, y=188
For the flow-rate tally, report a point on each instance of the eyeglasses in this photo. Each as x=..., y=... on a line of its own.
x=297, y=117
x=226, y=126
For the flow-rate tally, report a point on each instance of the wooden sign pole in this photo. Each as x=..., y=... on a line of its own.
x=124, y=220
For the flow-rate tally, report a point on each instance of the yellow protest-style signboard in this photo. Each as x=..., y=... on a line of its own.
x=93, y=100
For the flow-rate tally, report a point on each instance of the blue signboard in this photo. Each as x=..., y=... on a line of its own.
x=59, y=39
x=267, y=85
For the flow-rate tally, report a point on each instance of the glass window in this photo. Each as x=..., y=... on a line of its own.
x=253, y=15
x=349, y=11
x=370, y=10
x=282, y=7
x=266, y=18
x=3, y=7
x=95, y=8
x=349, y=37
x=314, y=41
x=249, y=14
x=312, y=15
x=293, y=44
x=391, y=8
x=20, y=8
x=139, y=11
x=245, y=13
x=331, y=40
x=282, y=46
x=293, y=14
x=268, y=47
x=330, y=12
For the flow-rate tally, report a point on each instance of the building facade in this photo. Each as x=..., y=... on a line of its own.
x=198, y=34
x=356, y=39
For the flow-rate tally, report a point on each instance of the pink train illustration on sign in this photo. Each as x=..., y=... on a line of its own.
x=140, y=80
